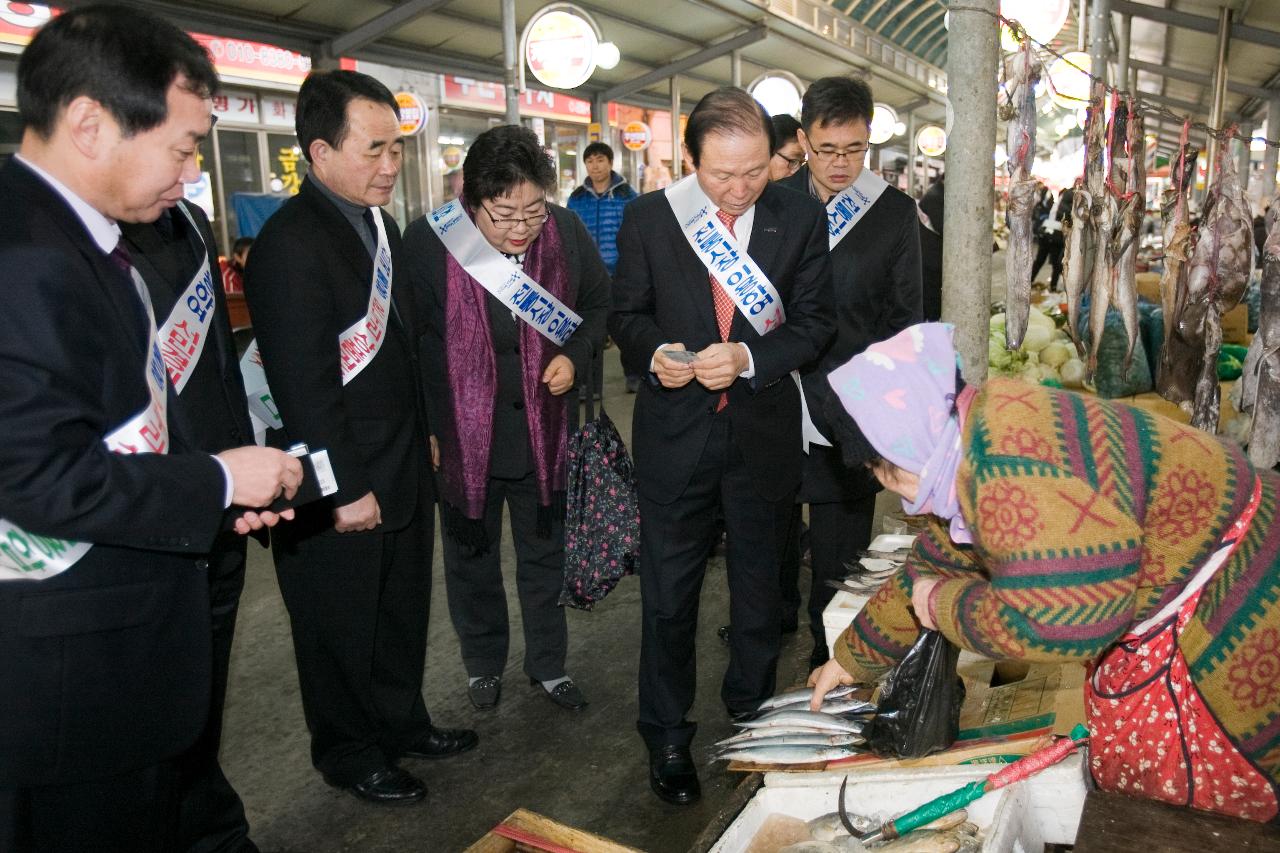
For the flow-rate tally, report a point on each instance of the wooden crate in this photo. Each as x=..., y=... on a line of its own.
x=543, y=833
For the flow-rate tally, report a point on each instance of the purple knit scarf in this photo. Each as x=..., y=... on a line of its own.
x=473, y=376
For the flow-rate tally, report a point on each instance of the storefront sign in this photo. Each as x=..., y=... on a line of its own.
x=279, y=111
x=932, y=141
x=290, y=179
x=251, y=60
x=560, y=48
x=636, y=136
x=413, y=113
x=594, y=132
x=19, y=21
x=233, y=105
x=489, y=97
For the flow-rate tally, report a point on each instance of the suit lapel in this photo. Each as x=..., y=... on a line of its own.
x=693, y=271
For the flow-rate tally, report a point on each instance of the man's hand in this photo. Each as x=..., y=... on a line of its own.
x=259, y=475
x=364, y=514
x=920, y=603
x=252, y=521
x=719, y=364
x=435, y=452
x=823, y=679
x=671, y=373
x=559, y=375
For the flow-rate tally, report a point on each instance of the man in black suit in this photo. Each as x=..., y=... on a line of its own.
x=338, y=336
x=724, y=429
x=875, y=263
x=104, y=609
x=177, y=257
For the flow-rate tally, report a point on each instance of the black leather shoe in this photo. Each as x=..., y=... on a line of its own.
x=485, y=691
x=565, y=694
x=389, y=786
x=673, y=776
x=442, y=743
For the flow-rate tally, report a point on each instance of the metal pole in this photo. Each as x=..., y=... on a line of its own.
x=1219, y=92
x=1122, y=51
x=676, y=160
x=911, y=154
x=1270, y=154
x=509, y=61
x=735, y=68
x=1099, y=31
x=1082, y=19
x=970, y=176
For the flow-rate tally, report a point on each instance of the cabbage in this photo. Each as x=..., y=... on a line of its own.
x=1072, y=373
x=1056, y=354
x=1036, y=318
x=1036, y=338
x=1047, y=371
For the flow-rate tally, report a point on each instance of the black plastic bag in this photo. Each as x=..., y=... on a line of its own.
x=919, y=707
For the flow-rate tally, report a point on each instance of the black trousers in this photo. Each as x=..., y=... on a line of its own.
x=134, y=812
x=1050, y=249
x=674, y=541
x=358, y=605
x=789, y=569
x=478, y=599
x=837, y=532
x=211, y=815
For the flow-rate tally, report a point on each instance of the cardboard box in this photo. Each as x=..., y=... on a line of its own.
x=1235, y=325
x=524, y=830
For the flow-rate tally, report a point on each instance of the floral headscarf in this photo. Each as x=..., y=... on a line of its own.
x=902, y=394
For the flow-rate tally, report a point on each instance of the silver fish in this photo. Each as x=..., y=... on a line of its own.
x=830, y=826
x=738, y=741
x=1264, y=440
x=1179, y=357
x=833, y=706
x=770, y=733
x=791, y=697
x=785, y=754
x=922, y=841
x=786, y=718
x=1129, y=224
x=1077, y=263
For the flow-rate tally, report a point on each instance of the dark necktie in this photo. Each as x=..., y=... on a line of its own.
x=373, y=229
x=120, y=257
x=723, y=302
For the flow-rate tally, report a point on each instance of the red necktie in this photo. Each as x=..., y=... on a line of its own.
x=723, y=303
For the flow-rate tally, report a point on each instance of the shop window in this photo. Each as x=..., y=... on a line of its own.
x=241, y=172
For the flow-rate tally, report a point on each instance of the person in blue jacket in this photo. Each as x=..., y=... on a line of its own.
x=599, y=203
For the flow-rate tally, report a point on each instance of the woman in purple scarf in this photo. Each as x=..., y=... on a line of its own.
x=497, y=400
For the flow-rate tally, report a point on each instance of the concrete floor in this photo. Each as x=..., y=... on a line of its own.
x=588, y=769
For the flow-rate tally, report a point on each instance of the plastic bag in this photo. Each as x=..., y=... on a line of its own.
x=919, y=706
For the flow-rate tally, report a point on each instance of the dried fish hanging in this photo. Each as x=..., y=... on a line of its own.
x=1022, y=192
x=1261, y=378
x=1217, y=279
x=1175, y=380
x=1081, y=239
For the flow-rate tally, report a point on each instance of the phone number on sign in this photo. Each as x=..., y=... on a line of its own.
x=248, y=53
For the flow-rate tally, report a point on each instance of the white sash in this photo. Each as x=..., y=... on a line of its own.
x=357, y=345
x=28, y=556
x=847, y=207
x=737, y=275
x=504, y=280
x=183, y=335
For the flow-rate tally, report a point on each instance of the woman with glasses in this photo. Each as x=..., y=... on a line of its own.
x=516, y=297
x=788, y=153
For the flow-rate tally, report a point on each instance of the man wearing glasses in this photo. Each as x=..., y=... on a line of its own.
x=874, y=239
x=338, y=334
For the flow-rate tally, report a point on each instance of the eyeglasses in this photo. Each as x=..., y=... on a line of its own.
x=530, y=222
x=793, y=163
x=827, y=155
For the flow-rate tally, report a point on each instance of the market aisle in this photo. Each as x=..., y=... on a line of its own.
x=588, y=769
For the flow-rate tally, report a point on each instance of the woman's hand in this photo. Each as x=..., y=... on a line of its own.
x=920, y=591
x=823, y=679
x=559, y=375
x=435, y=452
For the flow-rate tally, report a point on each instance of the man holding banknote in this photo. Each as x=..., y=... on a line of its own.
x=723, y=288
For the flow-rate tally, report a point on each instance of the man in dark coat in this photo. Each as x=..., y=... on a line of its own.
x=720, y=430
x=107, y=525
x=875, y=262
x=338, y=337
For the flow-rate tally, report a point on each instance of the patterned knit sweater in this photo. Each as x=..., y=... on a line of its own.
x=1087, y=516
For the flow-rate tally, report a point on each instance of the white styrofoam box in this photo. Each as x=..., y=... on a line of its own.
x=1052, y=799
x=837, y=615
x=891, y=542
x=879, y=799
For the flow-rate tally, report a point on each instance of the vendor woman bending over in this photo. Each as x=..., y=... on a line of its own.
x=1069, y=528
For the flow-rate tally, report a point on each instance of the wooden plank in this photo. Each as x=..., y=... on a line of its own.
x=548, y=830
x=1113, y=823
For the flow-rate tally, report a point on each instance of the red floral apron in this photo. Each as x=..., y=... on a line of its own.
x=1153, y=735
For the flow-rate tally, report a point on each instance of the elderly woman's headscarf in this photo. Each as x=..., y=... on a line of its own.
x=902, y=394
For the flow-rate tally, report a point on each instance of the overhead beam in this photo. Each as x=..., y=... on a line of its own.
x=379, y=25
x=714, y=51
x=922, y=24
x=1200, y=78
x=1198, y=23
x=914, y=16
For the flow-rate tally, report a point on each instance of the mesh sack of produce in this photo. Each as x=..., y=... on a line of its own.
x=1111, y=379
x=1151, y=327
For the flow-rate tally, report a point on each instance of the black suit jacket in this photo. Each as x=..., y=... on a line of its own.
x=588, y=295
x=661, y=294
x=211, y=413
x=104, y=667
x=307, y=281
x=876, y=273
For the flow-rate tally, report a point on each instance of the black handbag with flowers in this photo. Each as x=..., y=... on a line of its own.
x=602, y=514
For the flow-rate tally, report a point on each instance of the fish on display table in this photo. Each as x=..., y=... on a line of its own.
x=787, y=718
x=776, y=755
x=1023, y=192
x=775, y=737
